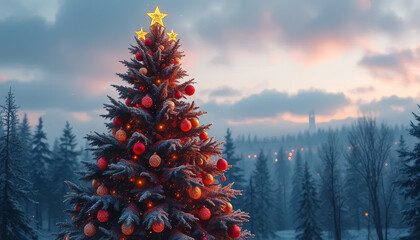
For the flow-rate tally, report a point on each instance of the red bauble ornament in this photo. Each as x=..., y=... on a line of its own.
x=89, y=230
x=186, y=125
x=102, y=190
x=158, y=227
x=222, y=164
x=178, y=95
x=223, y=178
x=207, y=179
x=127, y=229
x=147, y=101
x=148, y=42
x=189, y=90
x=103, y=215
x=204, y=135
x=204, y=238
x=139, y=56
x=117, y=122
x=139, y=148
x=128, y=102
x=204, y=213
x=103, y=163
x=234, y=231
x=77, y=208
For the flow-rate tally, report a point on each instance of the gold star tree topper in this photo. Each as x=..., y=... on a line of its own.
x=172, y=35
x=141, y=34
x=157, y=17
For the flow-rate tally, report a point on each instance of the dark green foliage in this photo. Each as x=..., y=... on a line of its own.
x=260, y=194
x=296, y=183
x=65, y=162
x=410, y=185
x=14, y=188
x=307, y=224
x=40, y=158
x=282, y=184
x=235, y=174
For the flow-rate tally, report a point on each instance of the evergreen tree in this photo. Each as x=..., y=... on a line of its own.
x=264, y=202
x=40, y=157
x=65, y=164
x=151, y=178
x=307, y=213
x=281, y=178
x=14, y=223
x=296, y=183
x=25, y=137
x=54, y=203
x=411, y=184
x=235, y=173
x=249, y=203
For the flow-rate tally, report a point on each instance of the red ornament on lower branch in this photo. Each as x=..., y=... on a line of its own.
x=222, y=164
x=189, y=90
x=103, y=163
x=158, y=227
x=186, y=125
x=204, y=213
x=139, y=148
x=234, y=231
x=89, y=230
x=103, y=215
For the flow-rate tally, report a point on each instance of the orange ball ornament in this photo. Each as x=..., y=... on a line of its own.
x=204, y=213
x=177, y=60
x=161, y=47
x=185, y=125
x=155, y=160
x=158, y=227
x=207, y=179
x=127, y=229
x=204, y=135
x=194, y=122
x=89, y=230
x=102, y=190
x=121, y=135
x=195, y=192
x=228, y=207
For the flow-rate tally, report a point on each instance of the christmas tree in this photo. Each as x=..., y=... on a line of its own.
x=154, y=178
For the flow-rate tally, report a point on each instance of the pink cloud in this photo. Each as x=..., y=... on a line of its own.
x=3, y=78
x=395, y=66
x=81, y=116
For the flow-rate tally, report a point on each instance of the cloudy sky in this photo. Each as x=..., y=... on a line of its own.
x=261, y=66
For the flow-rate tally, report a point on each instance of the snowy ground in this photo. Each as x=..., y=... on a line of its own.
x=394, y=234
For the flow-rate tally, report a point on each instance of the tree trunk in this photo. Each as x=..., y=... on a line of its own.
x=377, y=215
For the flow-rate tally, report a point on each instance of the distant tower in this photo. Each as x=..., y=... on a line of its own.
x=312, y=127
